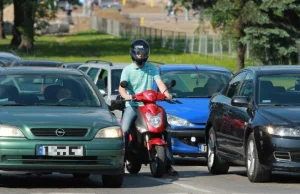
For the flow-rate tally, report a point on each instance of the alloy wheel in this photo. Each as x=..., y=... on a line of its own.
x=250, y=157
x=211, y=153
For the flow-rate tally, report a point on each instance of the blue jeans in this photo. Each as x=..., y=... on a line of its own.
x=128, y=118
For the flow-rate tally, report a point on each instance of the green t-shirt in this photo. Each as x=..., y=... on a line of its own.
x=139, y=79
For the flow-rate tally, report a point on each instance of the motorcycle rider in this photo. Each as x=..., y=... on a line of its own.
x=140, y=76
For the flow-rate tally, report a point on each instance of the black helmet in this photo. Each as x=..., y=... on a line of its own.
x=139, y=45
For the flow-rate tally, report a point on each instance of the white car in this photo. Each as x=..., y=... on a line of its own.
x=106, y=75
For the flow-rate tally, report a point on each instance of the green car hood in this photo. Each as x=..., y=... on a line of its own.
x=26, y=118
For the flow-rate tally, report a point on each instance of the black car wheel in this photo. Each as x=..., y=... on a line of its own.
x=255, y=171
x=215, y=164
x=112, y=181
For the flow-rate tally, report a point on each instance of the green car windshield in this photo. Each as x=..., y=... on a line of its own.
x=47, y=90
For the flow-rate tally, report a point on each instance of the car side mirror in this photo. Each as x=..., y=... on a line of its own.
x=240, y=101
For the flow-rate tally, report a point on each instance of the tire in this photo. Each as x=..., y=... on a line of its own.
x=255, y=171
x=158, y=164
x=215, y=164
x=112, y=181
x=81, y=175
x=134, y=165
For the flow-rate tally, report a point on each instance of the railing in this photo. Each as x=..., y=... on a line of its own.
x=212, y=45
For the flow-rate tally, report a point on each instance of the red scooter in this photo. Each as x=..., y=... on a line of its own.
x=148, y=143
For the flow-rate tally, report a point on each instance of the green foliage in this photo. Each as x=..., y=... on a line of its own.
x=270, y=26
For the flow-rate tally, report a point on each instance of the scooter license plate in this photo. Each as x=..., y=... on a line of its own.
x=202, y=148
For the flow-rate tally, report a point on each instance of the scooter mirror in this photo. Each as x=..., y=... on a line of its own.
x=124, y=84
x=172, y=83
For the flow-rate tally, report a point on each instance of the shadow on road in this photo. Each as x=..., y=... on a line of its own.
x=187, y=161
x=277, y=177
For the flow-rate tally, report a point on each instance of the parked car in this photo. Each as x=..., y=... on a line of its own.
x=106, y=75
x=188, y=113
x=73, y=65
x=7, y=57
x=56, y=120
x=36, y=63
x=254, y=122
x=110, y=4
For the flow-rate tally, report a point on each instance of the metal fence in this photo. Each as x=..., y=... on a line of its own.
x=215, y=46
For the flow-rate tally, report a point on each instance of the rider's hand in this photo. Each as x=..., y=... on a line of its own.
x=168, y=96
x=128, y=97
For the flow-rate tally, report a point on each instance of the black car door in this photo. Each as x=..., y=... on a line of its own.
x=223, y=133
x=239, y=119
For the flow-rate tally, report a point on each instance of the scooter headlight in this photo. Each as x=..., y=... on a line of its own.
x=154, y=121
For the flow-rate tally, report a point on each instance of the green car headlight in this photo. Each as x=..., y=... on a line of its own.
x=10, y=131
x=283, y=131
x=109, y=132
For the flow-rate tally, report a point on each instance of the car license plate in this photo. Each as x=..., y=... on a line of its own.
x=202, y=148
x=49, y=150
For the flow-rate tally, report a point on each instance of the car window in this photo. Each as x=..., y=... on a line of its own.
x=279, y=89
x=50, y=90
x=102, y=80
x=234, y=84
x=84, y=69
x=247, y=86
x=195, y=84
x=115, y=80
x=93, y=72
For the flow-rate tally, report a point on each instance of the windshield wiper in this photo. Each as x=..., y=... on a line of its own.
x=13, y=104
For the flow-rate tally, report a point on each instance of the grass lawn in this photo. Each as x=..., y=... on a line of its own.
x=94, y=45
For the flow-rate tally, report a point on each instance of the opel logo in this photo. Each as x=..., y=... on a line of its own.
x=60, y=132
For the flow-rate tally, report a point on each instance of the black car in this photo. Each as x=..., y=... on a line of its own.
x=36, y=63
x=255, y=121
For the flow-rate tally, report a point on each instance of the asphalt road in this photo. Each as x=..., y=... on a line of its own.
x=193, y=178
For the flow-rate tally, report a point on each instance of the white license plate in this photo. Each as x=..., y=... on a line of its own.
x=202, y=148
x=72, y=150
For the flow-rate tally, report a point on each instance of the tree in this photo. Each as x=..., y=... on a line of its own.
x=270, y=26
x=27, y=13
x=2, y=35
x=275, y=32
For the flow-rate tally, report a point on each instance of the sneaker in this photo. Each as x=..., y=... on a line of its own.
x=172, y=172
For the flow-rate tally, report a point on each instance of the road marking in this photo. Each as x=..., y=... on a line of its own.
x=178, y=184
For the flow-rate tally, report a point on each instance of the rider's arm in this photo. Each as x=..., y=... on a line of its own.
x=124, y=94
x=163, y=88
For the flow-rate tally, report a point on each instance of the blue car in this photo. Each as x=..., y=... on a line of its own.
x=188, y=112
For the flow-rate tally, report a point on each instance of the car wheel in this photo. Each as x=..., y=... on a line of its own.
x=255, y=171
x=81, y=175
x=112, y=181
x=215, y=164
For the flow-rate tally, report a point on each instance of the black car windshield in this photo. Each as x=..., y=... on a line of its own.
x=193, y=84
x=279, y=90
x=47, y=90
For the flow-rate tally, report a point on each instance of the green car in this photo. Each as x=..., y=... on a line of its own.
x=55, y=120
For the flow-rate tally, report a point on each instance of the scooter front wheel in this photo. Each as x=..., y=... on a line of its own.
x=158, y=162
x=133, y=165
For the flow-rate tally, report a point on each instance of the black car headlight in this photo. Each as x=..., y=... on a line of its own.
x=283, y=131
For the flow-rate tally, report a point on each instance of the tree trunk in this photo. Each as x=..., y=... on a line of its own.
x=27, y=27
x=241, y=48
x=2, y=34
x=18, y=20
x=186, y=14
x=241, y=56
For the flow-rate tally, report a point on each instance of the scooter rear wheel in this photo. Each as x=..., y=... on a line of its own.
x=134, y=165
x=158, y=163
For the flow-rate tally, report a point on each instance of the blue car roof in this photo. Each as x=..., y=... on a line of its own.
x=170, y=67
